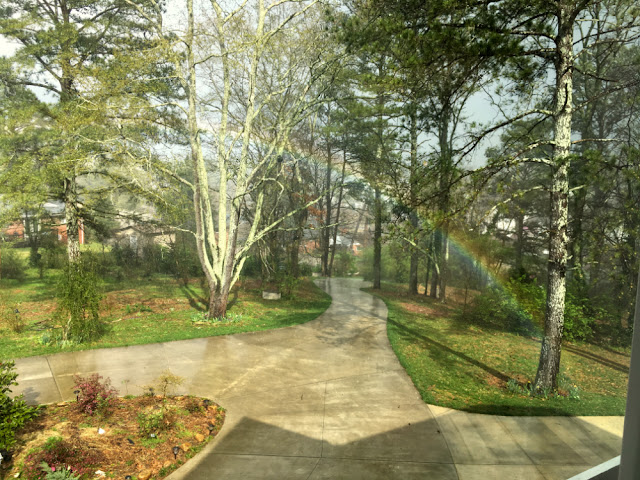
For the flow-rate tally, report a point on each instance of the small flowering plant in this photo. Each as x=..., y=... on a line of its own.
x=57, y=474
x=59, y=460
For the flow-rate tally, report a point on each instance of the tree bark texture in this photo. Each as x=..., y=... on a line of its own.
x=445, y=168
x=429, y=262
x=338, y=207
x=71, y=219
x=549, y=364
x=377, y=240
x=444, y=269
x=519, y=242
x=413, y=193
x=326, y=231
x=437, y=262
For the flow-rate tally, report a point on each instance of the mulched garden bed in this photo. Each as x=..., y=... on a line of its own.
x=137, y=438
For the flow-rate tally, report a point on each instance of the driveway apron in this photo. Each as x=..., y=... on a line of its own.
x=328, y=399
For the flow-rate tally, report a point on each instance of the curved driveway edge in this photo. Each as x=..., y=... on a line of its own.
x=328, y=399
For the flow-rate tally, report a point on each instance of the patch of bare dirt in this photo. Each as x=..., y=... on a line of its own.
x=421, y=309
x=495, y=382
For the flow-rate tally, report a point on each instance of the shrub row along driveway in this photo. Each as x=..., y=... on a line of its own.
x=328, y=399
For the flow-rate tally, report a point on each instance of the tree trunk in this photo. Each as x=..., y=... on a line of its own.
x=33, y=237
x=519, y=243
x=296, y=199
x=218, y=301
x=413, y=193
x=298, y=235
x=549, y=364
x=413, y=272
x=326, y=232
x=335, y=229
x=439, y=283
x=295, y=254
x=575, y=270
x=71, y=219
x=437, y=252
x=429, y=262
x=444, y=265
x=377, y=240
x=201, y=201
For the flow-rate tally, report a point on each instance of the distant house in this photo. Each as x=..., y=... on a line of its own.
x=311, y=248
x=53, y=220
x=348, y=243
x=15, y=230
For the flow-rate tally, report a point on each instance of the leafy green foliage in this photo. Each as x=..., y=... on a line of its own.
x=58, y=474
x=12, y=265
x=152, y=422
x=252, y=267
x=344, y=264
x=10, y=314
x=54, y=253
x=394, y=267
x=497, y=308
x=13, y=412
x=305, y=270
x=287, y=284
x=519, y=307
x=79, y=303
x=168, y=382
x=578, y=324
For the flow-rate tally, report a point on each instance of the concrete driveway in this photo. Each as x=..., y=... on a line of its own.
x=328, y=399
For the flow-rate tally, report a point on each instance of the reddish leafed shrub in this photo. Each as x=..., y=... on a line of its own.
x=95, y=395
x=60, y=455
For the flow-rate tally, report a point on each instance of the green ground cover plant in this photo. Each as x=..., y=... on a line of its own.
x=458, y=362
x=14, y=412
x=146, y=308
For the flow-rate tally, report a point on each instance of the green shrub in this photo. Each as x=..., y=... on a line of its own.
x=102, y=264
x=287, y=284
x=305, y=270
x=344, y=263
x=151, y=423
x=54, y=252
x=578, y=324
x=520, y=306
x=10, y=315
x=183, y=261
x=14, y=413
x=124, y=256
x=167, y=382
x=252, y=267
x=530, y=296
x=79, y=303
x=498, y=309
x=608, y=330
x=12, y=265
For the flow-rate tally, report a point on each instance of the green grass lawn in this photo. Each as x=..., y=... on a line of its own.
x=459, y=365
x=147, y=310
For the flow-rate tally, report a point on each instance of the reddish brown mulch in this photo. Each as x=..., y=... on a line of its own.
x=122, y=448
